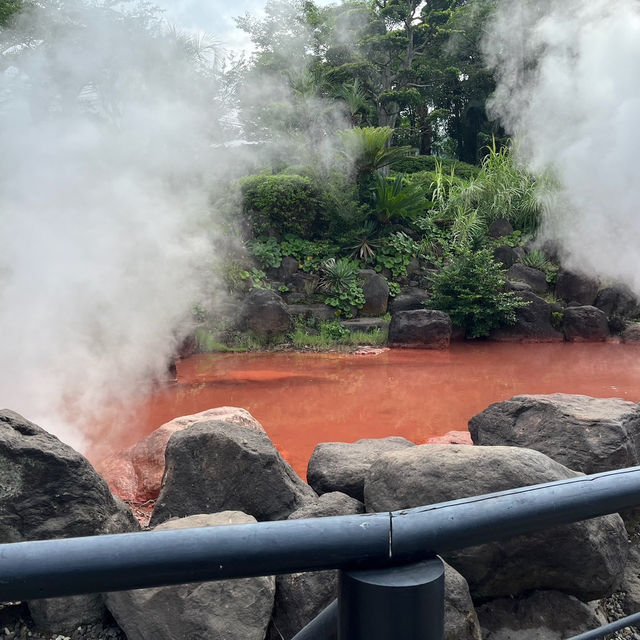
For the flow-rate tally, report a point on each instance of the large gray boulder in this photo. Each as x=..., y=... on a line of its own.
x=585, y=559
x=409, y=300
x=421, y=328
x=218, y=466
x=533, y=323
x=583, y=433
x=48, y=490
x=585, y=324
x=230, y=609
x=300, y=597
x=343, y=466
x=576, y=287
x=500, y=228
x=264, y=312
x=376, y=293
x=543, y=615
x=535, y=278
x=617, y=300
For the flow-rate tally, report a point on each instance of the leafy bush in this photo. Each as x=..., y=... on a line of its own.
x=267, y=252
x=415, y=164
x=309, y=254
x=367, y=148
x=339, y=278
x=470, y=290
x=502, y=189
x=281, y=203
x=395, y=254
x=393, y=199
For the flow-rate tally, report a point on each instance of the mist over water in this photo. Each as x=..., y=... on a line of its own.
x=108, y=152
x=569, y=92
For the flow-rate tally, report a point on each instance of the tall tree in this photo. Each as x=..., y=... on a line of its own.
x=8, y=8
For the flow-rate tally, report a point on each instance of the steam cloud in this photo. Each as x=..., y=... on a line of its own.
x=106, y=164
x=569, y=92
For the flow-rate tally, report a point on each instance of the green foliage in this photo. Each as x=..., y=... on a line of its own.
x=502, y=189
x=257, y=279
x=330, y=335
x=556, y=319
x=207, y=342
x=512, y=240
x=309, y=254
x=238, y=278
x=537, y=259
x=280, y=203
x=394, y=288
x=266, y=252
x=334, y=331
x=340, y=280
x=470, y=290
x=394, y=200
x=435, y=243
x=395, y=254
x=417, y=164
x=8, y=8
x=366, y=242
x=367, y=148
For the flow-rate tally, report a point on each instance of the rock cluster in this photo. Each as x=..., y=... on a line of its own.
x=221, y=468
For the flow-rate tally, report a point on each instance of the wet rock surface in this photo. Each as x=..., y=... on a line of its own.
x=300, y=597
x=218, y=466
x=420, y=328
x=342, y=466
x=230, y=609
x=135, y=474
x=585, y=324
x=48, y=490
x=585, y=559
x=533, y=322
x=583, y=433
x=543, y=615
x=576, y=287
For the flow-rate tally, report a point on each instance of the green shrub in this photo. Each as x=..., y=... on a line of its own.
x=266, y=252
x=309, y=254
x=470, y=290
x=416, y=164
x=537, y=260
x=280, y=203
x=339, y=278
x=395, y=200
x=395, y=254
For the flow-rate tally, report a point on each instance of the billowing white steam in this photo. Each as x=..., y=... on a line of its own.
x=569, y=91
x=106, y=160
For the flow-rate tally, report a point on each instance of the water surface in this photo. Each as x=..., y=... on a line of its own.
x=302, y=399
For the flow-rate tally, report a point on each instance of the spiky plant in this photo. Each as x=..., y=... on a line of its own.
x=393, y=199
x=367, y=147
x=538, y=260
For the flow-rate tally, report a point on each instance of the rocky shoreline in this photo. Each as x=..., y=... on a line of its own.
x=219, y=467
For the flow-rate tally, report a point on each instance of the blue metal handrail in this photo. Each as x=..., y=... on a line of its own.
x=51, y=568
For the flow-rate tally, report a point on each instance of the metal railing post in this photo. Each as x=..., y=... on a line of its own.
x=403, y=603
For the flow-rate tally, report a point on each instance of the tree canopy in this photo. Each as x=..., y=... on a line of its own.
x=413, y=66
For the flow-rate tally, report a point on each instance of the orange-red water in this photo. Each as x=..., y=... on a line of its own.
x=304, y=399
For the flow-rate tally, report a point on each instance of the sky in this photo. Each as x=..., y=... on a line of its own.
x=216, y=18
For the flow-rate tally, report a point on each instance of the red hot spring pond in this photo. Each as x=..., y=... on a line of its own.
x=302, y=399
